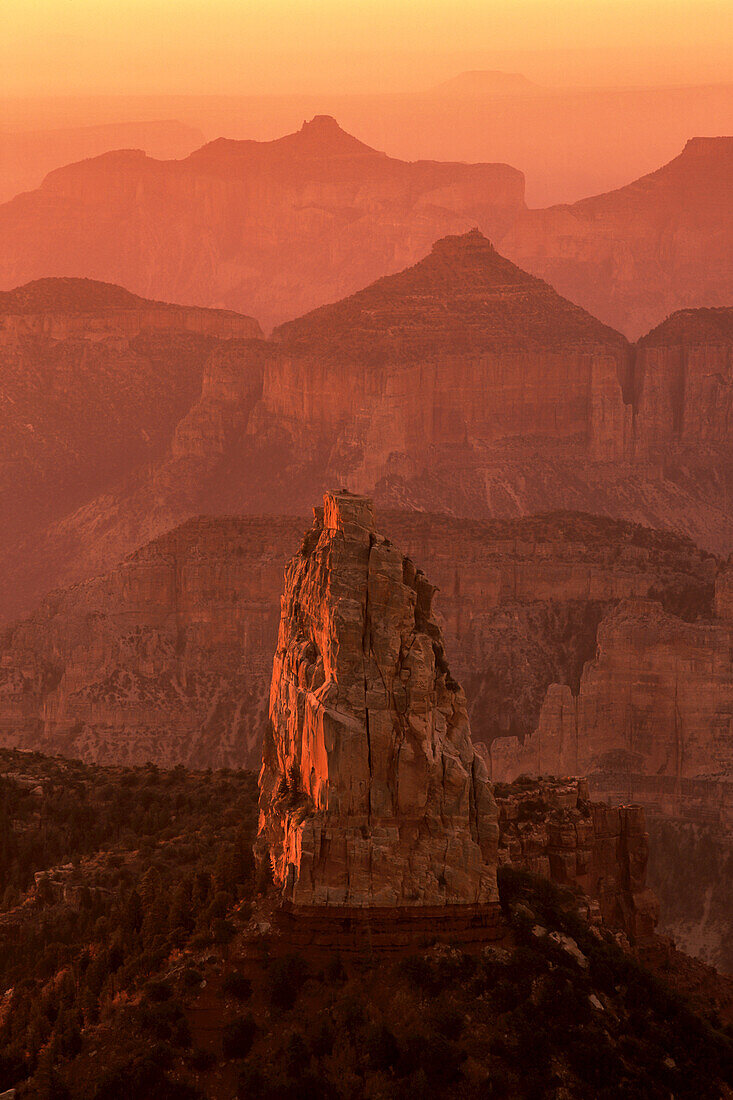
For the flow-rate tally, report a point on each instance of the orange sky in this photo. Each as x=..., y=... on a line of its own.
x=261, y=46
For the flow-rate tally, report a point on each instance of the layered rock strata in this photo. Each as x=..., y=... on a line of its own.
x=371, y=792
x=653, y=712
x=633, y=255
x=461, y=385
x=551, y=828
x=94, y=383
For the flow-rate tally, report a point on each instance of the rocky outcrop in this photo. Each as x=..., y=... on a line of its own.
x=551, y=828
x=371, y=793
x=684, y=383
x=651, y=722
x=168, y=656
x=266, y=228
x=461, y=352
x=279, y=227
x=634, y=255
x=476, y=389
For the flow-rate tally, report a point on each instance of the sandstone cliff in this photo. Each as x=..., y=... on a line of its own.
x=27, y=156
x=651, y=721
x=460, y=352
x=634, y=255
x=652, y=714
x=276, y=228
x=464, y=385
x=551, y=828
x=371, y=793
x=267, y=228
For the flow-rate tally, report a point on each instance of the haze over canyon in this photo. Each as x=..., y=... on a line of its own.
x=366, y=576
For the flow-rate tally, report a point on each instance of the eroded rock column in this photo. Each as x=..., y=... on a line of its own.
x=371, y=793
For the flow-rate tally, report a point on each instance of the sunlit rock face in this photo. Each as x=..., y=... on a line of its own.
x=168, y=656
x=371, y=792
x=461, y=386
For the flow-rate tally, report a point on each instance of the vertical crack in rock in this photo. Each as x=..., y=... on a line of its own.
x=366, y=646
x=396, y=808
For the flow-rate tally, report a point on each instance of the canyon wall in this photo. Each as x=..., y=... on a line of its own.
x=167, y=656
x=655, y=706
x=511, y=401
x=461, y=385
x=71, y=308
x=275, y=228
x=691, y=870
x=651, y=722
x=95, y=381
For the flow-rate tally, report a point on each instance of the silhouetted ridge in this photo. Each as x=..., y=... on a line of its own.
x=463, y=297
x=698, y=177
x=708, y=146
x=691, y=326
x=320, y=137
x=72, y=295
x=323, y=135
x=69, y=296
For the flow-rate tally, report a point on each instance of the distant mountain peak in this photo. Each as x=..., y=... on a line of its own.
x=464, y=295
x=68, y=295
x=462, y=244
x=72, y=295
x=322, y=135
x=321, y=124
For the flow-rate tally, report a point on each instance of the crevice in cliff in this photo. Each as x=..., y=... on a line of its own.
x=366, y=646
x=473, y=815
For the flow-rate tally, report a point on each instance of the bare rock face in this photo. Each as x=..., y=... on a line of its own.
x=652, y=715
x=461, y=385
x=724, y=593
x=27, y=156
x=551, y=828
x=94, y=382
x=371, y=792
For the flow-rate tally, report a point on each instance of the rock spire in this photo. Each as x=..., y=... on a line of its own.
x=371, y=792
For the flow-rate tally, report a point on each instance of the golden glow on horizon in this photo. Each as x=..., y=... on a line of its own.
x=52, y=47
